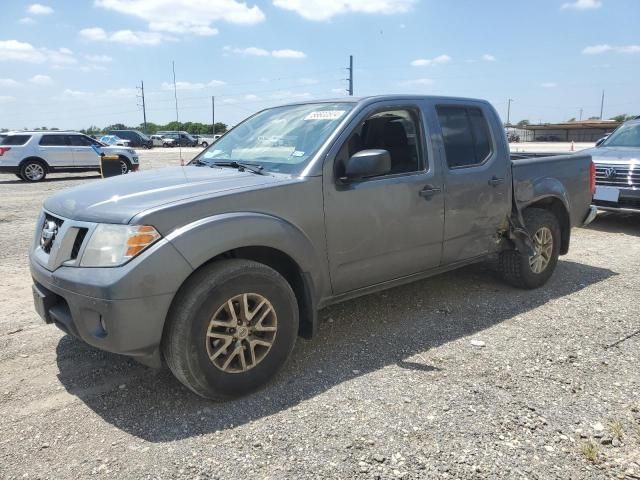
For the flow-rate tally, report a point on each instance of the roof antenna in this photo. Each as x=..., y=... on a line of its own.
x=175, y=96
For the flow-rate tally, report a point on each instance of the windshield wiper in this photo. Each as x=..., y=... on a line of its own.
x=241, y=166
x=198, y=162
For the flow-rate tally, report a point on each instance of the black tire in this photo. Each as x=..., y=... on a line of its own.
x=125, y=165
x=515, y=266
x=204, y=144
x=165, y=145
x=33, y=165
x=19, y=176
x=184, y=342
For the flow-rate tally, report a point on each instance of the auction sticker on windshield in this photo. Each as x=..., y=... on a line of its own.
x=325, y=115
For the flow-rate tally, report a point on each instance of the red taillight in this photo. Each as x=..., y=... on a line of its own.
x=592, y=178
x=4, y=149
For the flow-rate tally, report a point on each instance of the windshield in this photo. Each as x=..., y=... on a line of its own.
x=280, y=139
x=625, y=136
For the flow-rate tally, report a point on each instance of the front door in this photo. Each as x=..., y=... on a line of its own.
x=389, y=226
x=83, y=154
x=477, y=178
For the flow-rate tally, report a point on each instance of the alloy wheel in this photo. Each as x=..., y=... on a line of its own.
x=241, y=333
x=34, y=172
x=543, y=250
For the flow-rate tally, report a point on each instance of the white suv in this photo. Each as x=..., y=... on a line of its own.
x=31, y=155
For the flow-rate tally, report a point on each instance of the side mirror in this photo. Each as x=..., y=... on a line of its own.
x=367, y=163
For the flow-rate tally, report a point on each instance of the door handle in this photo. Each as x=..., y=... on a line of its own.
x=495, y=181
x=429, y=191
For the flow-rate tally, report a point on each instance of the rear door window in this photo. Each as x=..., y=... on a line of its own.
x=465, y=134
x=15, y=140
x=54, y=140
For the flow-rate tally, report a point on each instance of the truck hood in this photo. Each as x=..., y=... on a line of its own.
x=119, y=199
x=613, y=154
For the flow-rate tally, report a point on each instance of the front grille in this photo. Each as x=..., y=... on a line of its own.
x=77, y=243
x=618, y=175
x=49, y=233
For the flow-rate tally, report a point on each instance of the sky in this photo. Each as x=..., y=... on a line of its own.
x=76, y=63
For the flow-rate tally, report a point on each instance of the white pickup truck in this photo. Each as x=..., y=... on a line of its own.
x=32, y=155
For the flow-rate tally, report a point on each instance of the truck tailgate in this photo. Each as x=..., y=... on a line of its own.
x=568, y=177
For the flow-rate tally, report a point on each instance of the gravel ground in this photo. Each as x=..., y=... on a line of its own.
x=457, y=376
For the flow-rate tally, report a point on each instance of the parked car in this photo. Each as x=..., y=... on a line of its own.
x=217, y=266
x=182, y=139
x=136, y=138
x=33, y=155
x=114, y=140
x=163, y=141
x=617, y=160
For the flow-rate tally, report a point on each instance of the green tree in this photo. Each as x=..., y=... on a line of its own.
x=572, y=119
x=523, y=123
x=623, y=117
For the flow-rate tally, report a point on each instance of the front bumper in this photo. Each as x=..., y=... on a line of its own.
x=121, y=309
x=593, y=213
x=628, y=201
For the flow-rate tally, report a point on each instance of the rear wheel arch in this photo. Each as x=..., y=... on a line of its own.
x=559, y=209
x=37, y=159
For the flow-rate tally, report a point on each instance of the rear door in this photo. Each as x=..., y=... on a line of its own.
x=55, y=149
x=83, y=153
x=477, y=179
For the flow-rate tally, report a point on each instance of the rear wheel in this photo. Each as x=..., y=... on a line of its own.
x=230, y=329
x=33, y=171
x=204, y=144
x=525, y=271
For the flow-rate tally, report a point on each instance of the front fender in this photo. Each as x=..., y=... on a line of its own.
x=209, y=237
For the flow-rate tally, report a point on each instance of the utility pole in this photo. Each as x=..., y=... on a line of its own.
x=144, y=108
x=350, y=89
x=602, y=105
x=580, y=113
x=509, y=111
x=213, y=115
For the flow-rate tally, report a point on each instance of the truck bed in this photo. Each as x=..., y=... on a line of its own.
x=568, y=177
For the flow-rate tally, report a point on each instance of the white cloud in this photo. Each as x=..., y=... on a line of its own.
x=288, y=53
x=69, y=93
x=286, y=94
x=418, y=82
x=99, y=58
x=251, y=97
x=261, y=52
x=8, y=82
x=127, y=37
x=549, y=85
x=487, y=57
x=192, y=85
x=253, y=51
x=326, y=9
x=230, y=100
x=424, y=62
x=603, y=48
x=41, y=80
x=26, y=21
x=6, y=99
x=339, y=91
x=38, y=9
x=186, y=16
x=582, y=4
x=92, y=67
x=14, y=50
x=307, y=81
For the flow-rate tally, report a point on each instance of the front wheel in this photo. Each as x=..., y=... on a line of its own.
x=525, y=271
x=230, y=329
x=125, y=166
x=204, y=144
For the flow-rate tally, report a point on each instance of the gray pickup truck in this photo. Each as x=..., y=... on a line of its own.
x=218, y=266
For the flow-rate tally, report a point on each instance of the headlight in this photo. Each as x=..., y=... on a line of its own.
x=131, y=151
x=112, y=245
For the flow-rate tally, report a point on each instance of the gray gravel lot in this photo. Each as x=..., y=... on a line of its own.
x=392, y=387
